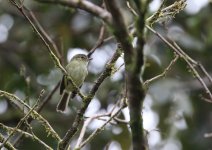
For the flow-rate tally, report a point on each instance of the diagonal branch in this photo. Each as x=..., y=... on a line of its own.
x=14, y=99
x=23, y=119
x=39, y=109
x=191, y=63
x=26, y=134
x=79, y=118
x=38, y=30
x=7, y=145
x=98, y=130
x=99, y=41
x=84, y=5
x=174, y=60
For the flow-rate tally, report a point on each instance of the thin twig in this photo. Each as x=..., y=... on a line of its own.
x=7, y=145
x=98, y=130
x=26, y=134
x=23, y=119
x=82, y=133
x=48, y=98
x=102, y=118
x=191, y=63
x=131, y=9
x=205, y=72
x=99, y=41
x=156, y=15
x=14, y=99
x=164, y=72
x=89, y=120
x=167, y=12
x=118, y=120
x=56, y=60
x=39, y=109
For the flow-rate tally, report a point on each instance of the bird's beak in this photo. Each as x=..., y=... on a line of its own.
x=90, y=59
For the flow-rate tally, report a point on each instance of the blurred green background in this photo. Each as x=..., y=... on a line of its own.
x=175, y=116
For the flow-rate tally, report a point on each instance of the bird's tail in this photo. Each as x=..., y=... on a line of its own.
x=63, y=103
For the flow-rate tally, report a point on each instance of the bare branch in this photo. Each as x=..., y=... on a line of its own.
x=168, y=12
x=14, y=99
x=191, y=63
x=26, y=134
x=39, y=109
x=7, y=145
x=42, y=35
x=89, y=120
x=98, y=130
x=164, y=72
x=84, y=5
x=99, y=41
x=205, y=72
x=23, y=119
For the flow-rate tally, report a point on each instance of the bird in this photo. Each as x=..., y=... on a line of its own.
x=77, y=69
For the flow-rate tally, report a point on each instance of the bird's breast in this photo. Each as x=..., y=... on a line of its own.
x=77, y=71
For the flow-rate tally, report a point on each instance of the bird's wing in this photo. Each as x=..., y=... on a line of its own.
x=62, y=85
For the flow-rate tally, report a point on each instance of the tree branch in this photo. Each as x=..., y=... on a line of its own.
x=78, y=119
x=38, y=30
x=15, y=100
x=7, y=145
x=23, y=119
x=133, y=62
x=84, y=5
x=191, y=63
x=26, y=134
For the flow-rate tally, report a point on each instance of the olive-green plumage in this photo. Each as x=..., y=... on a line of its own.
x=77, y=70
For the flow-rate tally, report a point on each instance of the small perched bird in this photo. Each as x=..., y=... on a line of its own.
x=77, y=70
